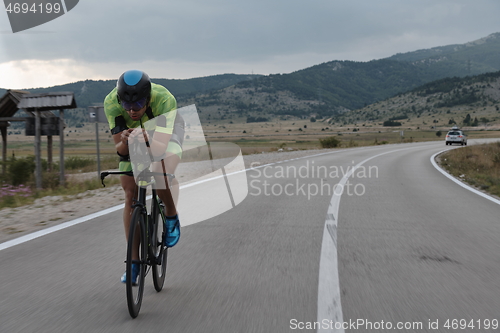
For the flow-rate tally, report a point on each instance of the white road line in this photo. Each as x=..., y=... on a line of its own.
x=58, y=227
x=466, y=186
x=330, y=316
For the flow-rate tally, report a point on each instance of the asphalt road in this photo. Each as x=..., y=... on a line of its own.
x=413, y=247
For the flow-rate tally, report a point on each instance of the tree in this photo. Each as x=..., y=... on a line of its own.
x=467, y=119
x=438, y=134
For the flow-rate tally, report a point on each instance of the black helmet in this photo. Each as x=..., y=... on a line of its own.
x=132, y=86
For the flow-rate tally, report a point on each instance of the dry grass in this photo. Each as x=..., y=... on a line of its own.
x=71, y=188
x=256, y=137
x=478, y=165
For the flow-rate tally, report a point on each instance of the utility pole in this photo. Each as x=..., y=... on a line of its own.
x=96, y=114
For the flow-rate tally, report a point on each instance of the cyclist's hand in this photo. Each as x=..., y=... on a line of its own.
x=139, y=134
x=125, y=136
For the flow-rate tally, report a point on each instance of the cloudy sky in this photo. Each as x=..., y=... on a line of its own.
x=192, y=38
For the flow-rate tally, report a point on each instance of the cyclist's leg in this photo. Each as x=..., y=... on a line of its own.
x=168, y=193
x=130, y=188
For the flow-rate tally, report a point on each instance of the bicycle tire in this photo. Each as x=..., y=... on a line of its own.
x=135, y=292
x=160, y=251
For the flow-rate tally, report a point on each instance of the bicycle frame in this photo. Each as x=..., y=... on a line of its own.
x=154, y=251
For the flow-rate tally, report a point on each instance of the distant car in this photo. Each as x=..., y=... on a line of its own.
x=456, y=136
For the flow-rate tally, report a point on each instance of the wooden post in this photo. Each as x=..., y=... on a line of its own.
x=49, y=152
x=4, y=147
x=61, y=147
x=38, y=158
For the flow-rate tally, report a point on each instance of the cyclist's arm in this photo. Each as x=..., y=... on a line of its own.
x=120, y=140
x=117, y=123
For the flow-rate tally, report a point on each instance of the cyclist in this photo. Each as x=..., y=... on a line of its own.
x=133, y=101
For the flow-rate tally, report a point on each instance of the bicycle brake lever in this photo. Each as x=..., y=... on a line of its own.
x=104, y=175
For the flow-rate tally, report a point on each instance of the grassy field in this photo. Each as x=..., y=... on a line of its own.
x=478, y=165
x=252, y=138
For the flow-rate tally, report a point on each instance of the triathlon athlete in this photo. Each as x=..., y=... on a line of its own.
x=133, y=102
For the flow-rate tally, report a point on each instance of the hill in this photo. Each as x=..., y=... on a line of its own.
x=470, y=101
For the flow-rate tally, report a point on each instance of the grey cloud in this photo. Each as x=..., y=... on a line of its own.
x=223, y=30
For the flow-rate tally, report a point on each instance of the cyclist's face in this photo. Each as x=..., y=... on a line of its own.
x=136, y=115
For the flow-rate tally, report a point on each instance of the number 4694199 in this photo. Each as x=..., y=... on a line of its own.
x=25, y=8
x=471, y=324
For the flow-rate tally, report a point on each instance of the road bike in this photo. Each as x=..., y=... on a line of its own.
x=147, y=229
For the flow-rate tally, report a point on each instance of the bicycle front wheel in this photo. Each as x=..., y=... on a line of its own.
x=159, y=265
x=136, y=239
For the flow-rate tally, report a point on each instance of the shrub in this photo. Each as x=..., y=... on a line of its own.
x=330, y=142
x=21, y=169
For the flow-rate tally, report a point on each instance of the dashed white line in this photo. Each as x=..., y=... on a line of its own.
x=329, y=303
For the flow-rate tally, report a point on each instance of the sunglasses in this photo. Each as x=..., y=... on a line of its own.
x=135, y=106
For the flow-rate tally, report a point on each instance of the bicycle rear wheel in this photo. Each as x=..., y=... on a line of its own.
x=159, y=265
x=137, y=235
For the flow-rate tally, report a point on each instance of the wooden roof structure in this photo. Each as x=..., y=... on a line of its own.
x=36, y=106
x=47, y=101
x=9, y=101
x=13, y=100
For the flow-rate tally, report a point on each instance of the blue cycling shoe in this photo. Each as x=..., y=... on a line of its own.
x=173, y=227
x=135, y=274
